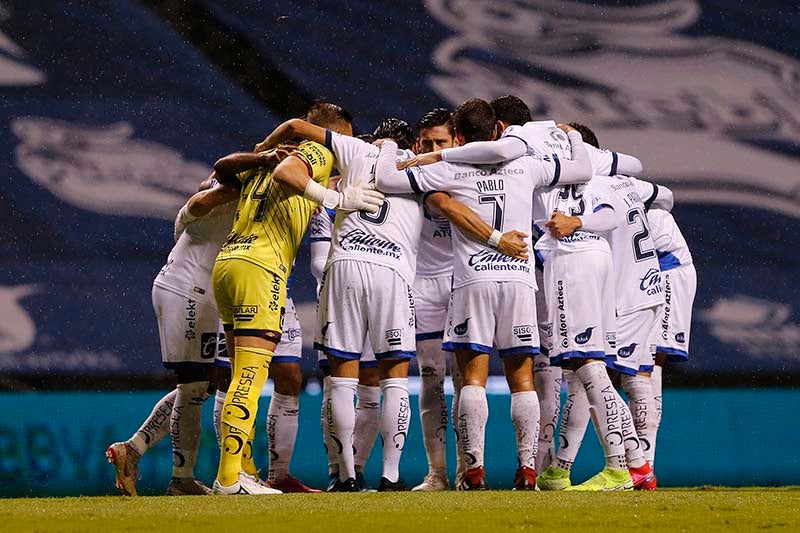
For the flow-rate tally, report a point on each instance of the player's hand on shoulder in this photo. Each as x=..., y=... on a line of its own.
x=420, y=160
x=513, y=244
x=561, y=225
x=361, y=197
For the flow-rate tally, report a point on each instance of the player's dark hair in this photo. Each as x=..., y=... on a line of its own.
x=436, y=117
x=326, y=114
x=474, y=120
x=366, y=137
x=588, y=135
x=511, y=110
x=397, y=130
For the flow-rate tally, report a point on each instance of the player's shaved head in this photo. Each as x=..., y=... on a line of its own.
x=328, y=115
x=588, y=135
x=397, y=130
x=511, y=110
x=474, y=121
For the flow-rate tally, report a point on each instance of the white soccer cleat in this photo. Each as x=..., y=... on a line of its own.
x=433, y=482
x=245, y=485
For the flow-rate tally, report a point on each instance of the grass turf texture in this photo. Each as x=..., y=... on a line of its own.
x=673, y=510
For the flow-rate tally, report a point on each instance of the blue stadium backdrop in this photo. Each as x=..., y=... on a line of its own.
x=109, y=120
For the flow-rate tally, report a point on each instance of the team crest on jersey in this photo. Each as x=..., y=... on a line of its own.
x=680, y=337
x=688, y=90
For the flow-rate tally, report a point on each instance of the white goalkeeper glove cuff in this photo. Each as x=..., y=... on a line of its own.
x=322, y=195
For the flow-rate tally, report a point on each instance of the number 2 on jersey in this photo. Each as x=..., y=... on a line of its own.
x=499, y=203
x=635, y=216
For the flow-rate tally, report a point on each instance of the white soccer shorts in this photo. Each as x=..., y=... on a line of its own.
x=431, y=298
x=636, y=348
x=367, y=358
x=361, y=301
x=674, y=323
x=290, y=349
x=187, y=328
x=493, y=315
x=579, y=289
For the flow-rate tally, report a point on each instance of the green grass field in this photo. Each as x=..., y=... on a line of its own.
x=673, y=510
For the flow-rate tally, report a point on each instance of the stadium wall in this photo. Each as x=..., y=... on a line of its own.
x=58, y=449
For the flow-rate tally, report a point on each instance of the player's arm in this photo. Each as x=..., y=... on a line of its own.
x=465, y=219
x=579, y=168
x=388, y=178
x=202, y=202
x=603, y=219
x=297, y=173
x=475, y=153
x=653, y=195
x=229, y=167
x=609, y=163
x=289, y=130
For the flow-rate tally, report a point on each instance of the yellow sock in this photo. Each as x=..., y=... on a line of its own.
x=250, y=371
x=248, y=462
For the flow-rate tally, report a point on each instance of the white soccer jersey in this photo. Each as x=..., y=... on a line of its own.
x=390, y=237
x=502, y=195
x=572, y=200
x=435, y=255
x=321, y=225
x=191, y=261
x=638, y=277
x=670, y=245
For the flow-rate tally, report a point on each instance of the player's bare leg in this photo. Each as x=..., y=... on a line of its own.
x=368, y=416
x=344, y=381
x=433, y=412
x=525, y=416
x=473, y=412
x=395, y=420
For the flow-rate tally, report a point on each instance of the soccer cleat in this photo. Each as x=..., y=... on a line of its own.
x=186, y=486
x=433, y=482
x=126, y=464
x=291, y=484
x=361, y=482
x=553, y=478
x=525, y=479
x=391, y=486
x=607, y=480
x=474, y=479
x=643, y=477
x=348, y=485
x=245, y=485
x=332, y=479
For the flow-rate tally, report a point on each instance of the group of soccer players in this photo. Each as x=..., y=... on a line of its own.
x=422, y=247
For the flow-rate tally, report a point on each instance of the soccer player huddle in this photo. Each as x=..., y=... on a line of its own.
x=485, y=234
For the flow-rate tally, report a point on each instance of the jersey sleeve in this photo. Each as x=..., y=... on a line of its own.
x=509, y=147
x=608, y=163
x=318, y=159
x=435, y=177
x=344, y=148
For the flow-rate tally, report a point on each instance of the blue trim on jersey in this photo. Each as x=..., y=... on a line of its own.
x=453, y=346
x=222, y=363
x=430, y=336
x=621, y=369
x=614, y=164
x=191, y=365
x=413, y=181
x=285, y=359
x=319, y=239
x=538, y=260
x=331, y=213
x=368, y=364
x=558, y=170
x=667, y=261
x=649, y=201
x=351, y=356
x=519, y=350
x=397, y=354
x=329, y=140
x=673, y=354
x=544, y=350
x=578, y=354
x=646, y=368
x=323, y=364
x=602, y=206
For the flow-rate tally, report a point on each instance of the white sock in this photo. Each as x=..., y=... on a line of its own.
x=219, y=401
x=368, y=417
x=395, y=420
x=642, y=405
x=547, y=379
x=604, y=401
x=574, y=420
x=473, y=412
x=186, y=426
x=432, y=403
x=155, y=426
x=634, y=455
x=344, y=420
x=282, y=422
x=525, y=417
x=456, y=377
x=326, y=422
x=655, y=381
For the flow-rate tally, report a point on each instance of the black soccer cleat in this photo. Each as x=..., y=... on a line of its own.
x=392, y=486
x=348, y=485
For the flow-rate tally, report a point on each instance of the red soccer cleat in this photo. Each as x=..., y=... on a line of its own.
x=474, y=479
x=291, y=484
x=643, y=477
x=525, y=478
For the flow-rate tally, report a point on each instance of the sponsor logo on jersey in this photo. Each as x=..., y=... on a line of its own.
x=461, y=329
x=358, y=240
x=190, y=316
x=291, y=334
x=650, y=284
x=394, y=337
x=626, y=351
x=584, y=336
x=275, y=295
x=489, y=260
x=245, y=313
x=208, y=345
x=680, y=337
x=524, y=332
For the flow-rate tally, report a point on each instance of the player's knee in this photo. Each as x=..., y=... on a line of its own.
x=393, y=368
x=288, y=378
x=369, y=377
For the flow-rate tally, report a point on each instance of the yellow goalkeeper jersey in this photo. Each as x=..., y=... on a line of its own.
x=272, y=218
